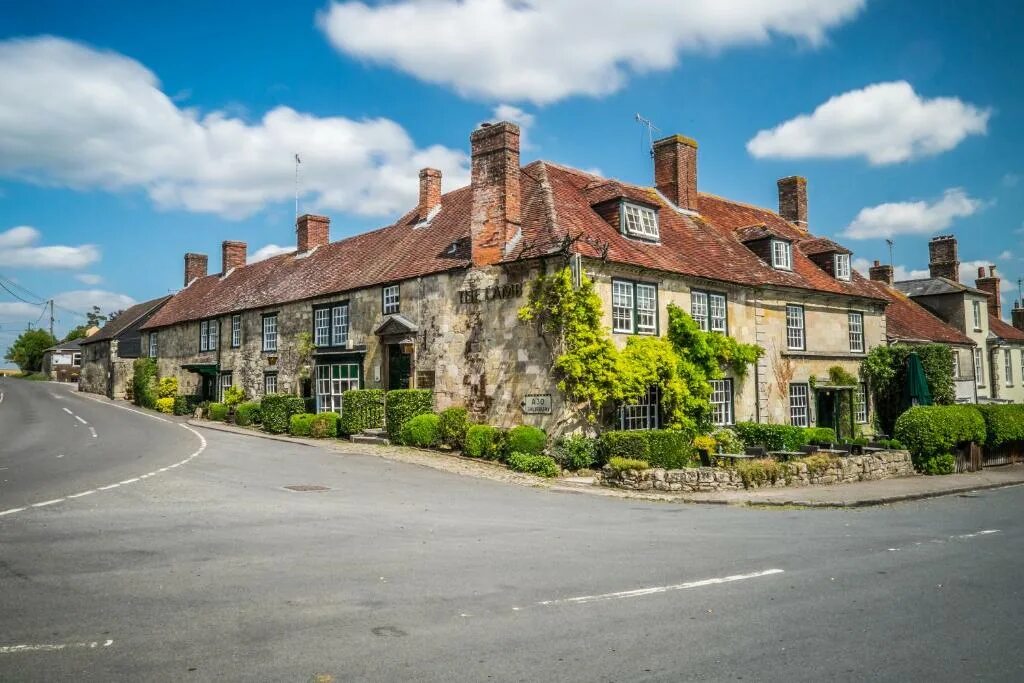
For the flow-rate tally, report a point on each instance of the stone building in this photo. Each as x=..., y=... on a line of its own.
x=63, y=362
x=108, y=356
x=431, y=300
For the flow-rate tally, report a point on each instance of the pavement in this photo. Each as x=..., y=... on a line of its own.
x=214, y=571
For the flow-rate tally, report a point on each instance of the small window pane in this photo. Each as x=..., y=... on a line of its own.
x=214, y=333
x=641, y=415
x=795, y=327
x=646, y=309
x=270, y=384
x=860, y=403
x=236, y=331
x=856, y=332
x=718, y=314
x=1008, y=362
x=798, y=405
x=391, y=299
x=782, y=255
x=270, y=333
x=979, y=370
x=699, y=309
x=721, y=401
x=204, y=336
x=322, y=327
x=339, y=325
x=622, y=306
x=640, y=221
x=842, y=266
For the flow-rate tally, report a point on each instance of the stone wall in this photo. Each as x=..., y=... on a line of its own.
x=881, y=465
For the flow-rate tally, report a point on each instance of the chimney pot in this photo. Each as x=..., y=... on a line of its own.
x=990, y=285
x=495, y=220
x=195, y=267
x=793, y=200
x=675, y=170
x=880, y=273
x=430, y=191
x=981, y=271
x=312, y=231
x=991, y=271
x=876, y=262
x=232, y=256
x=942, y=258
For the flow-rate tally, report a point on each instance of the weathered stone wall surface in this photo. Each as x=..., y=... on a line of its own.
x=881, y=465
x=95, y=368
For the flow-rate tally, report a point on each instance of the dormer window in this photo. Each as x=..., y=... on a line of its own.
x=639, y=221
x=842, y=266
x=782, y=255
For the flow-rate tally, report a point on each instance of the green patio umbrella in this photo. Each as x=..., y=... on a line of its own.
x=915, y=389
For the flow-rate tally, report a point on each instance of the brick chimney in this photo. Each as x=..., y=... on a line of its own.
x=793, y=200
x=313, y=231
x=942, y=258
x=675, y=170
x=880, y=273
x=232, y=255
x=495, y=220
x=990, y=285
x=195, y=267
x=430, y=191
x=1017, y=315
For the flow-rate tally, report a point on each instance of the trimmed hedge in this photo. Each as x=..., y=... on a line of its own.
x=820, y=436
x=484, y=441
x=301, y=424
x=760, y=472
x=526, y=439
x=324, y=425
x=167, y=387
x=1003, y=424
x=541, y=465
x=665, y=448
x=452, y=425
x=624, y=464
x=361, y=409
x=165, y=404
x=422, y=431
x=144, y=382
x=401, y=405
x=575, y=452
x=247, y=414
x=930, y=431
x=276, y=411
x=773, y=437
x=939, y=464
x=218, y=412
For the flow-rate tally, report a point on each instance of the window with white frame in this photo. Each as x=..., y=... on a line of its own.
x=782, y=254
x=976, y=307
x=639, y=221
x=721, y=401
x=708, y=309
x=795, y=338
x=332, y=381
x=842, y=266
x=646, y=309
x=634, y=307
x=856, y=332
x=389, y=296
x=76, y=358
x=718, y=312
x=643, y=414
x=236, y=331
x=860, y=403
x=622, y=306
x=1008, y=364
x=322, y=326
x=339, y=325
x=270, y=332
x=153, y=341
x=799, y=405
x=226, y=380
x=214, y=334
x=269, y=383
x=979, y=369
x=699, y=309
x=956, y=363
x=204, y=335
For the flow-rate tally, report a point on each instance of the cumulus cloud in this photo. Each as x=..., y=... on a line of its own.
x=85, y=118
x=918, y=217
x=268, y=251
x=886, y=123
x=523, y=119
x=900, y=272
x=545, y=51
x=1005, y=255
x=19, y=249
x=81, y=300
x=89, y=278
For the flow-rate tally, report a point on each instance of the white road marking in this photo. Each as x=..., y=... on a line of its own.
x=83, y=493
x=1, y=397
x=129, y=481
x=81, y=420
x=53, y=647
x=92, y=430
x=115, y=405
x=639, y=592
x=47, y=502
x=68, y=411
x=958, y=537
x=60, y=455
x=108, y=487
x=11, y=511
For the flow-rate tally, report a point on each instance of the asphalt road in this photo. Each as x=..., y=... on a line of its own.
x=213, y=571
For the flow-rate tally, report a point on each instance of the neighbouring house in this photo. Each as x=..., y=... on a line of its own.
x=997, y=362
x=63, y=362
x=108, y=356
x=431, y=301
x=907, y=322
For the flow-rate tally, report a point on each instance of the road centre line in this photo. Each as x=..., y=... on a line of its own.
x=48, y=502
x=957, y=537
x=1, y=397
x=68, y=411
x=83, y=493
x=53, y=647
x=81, y=420
x=92, y=431
x=640, y=592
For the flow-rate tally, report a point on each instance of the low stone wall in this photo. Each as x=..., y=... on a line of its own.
x=880, y=465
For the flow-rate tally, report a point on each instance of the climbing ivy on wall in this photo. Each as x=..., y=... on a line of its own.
x=595, y=375
x=885, y=370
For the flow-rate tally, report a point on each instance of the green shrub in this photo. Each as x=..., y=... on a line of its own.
x=165, y=405
x=167, y=387
x=929, y=431
x=452, y=427
x=301, y=424
x=186, y=405
x=361, y=409
x=667, y=448
x=575, y=452
x=772, y=436
x=1004, y=424
x=233, y=395
x=483, y=441
x=892, y=444
x=819, y=463
x=276, y=411
x=885, y=369
x=622, y=464
x=247, y=414
x=820, y=436
x=939, y=464
x=218, y=412
x=324, y=425
x=422, y=431
x=526, y=439
x=728, y=441
x=760, y=472
x=402, y=405
x=541, y=465
x=144, y=382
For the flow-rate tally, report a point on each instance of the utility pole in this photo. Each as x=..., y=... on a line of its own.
x=51, y=317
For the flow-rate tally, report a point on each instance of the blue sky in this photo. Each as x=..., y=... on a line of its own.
x=131, y=133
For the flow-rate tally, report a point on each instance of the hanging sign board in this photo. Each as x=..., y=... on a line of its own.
x=536, y=404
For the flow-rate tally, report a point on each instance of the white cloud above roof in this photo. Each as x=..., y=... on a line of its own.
x=268, y=251
x=75, y=116
x=912, y=217
x=543, y=51
x=19, y=248
x=885, y=123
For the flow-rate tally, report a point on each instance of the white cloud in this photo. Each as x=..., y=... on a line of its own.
x=544, y=51
x=89, y=278
x=1005, y=255
x=18, y=249
x=919, y=217
x=523, y=119
x=886, y=123
x=268, y=251
x=82, y=300
x=75, y=116
x=1010, y=180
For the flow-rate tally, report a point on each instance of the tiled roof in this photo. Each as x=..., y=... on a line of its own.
x=933, y=285
x=127, y=318
x=906, y=320
x=822, y=245
x=557, y=206
x=72, y=345
x=1004, y=330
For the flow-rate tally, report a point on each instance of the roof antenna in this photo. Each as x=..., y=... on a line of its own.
x=646, y=123
x=297, y=162
x=892, y=264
